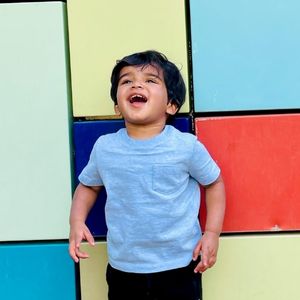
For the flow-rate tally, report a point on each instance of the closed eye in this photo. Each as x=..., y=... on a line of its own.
x=125, y=81
x=151, y=81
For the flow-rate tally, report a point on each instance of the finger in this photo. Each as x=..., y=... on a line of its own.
x=212, y=261
x=197, y=251
x=89, y=238
x=205, y=258
x=81, y=254
x=72, y=252
x=200, y=268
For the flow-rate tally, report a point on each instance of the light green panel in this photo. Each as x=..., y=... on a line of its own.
x=262, y=267
x=35, y=178
x=103, y=31
x=93, y=271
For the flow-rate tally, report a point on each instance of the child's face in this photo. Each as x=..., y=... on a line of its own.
x=142, y=96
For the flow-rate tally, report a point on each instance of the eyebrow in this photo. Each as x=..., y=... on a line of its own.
x=146, y=74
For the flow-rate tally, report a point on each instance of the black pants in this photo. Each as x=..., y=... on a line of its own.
x=177, y=284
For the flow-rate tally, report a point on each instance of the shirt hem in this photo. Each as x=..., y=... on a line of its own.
x=166, y=267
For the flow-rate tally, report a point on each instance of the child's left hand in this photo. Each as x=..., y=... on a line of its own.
x=208, y=248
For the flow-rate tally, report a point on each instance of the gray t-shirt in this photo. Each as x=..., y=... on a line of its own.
x=153, y=197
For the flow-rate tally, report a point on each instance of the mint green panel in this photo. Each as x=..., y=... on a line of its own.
x=36, y=272
x=260, y=267
x=35, y=178
x=246, y=54
x=103, y=31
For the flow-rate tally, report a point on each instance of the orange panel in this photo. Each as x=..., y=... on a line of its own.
x=260, y=161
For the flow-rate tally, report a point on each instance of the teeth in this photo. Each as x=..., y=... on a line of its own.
x=138, y=98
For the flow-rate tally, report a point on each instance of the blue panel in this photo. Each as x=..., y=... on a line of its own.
x=246, y=54
x=36, y=271
x=183, y=124
x=85, y=135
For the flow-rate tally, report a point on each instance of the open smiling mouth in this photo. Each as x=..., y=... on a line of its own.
x=137, y=98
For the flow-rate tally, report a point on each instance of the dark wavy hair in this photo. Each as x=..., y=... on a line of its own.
x=172, y=77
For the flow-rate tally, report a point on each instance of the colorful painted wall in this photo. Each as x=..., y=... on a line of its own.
x=241, y=62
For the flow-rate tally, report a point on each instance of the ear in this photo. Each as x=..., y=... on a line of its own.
x=171, y=108
x=117, y=111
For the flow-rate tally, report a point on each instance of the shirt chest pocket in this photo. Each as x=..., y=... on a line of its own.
x=167, y=179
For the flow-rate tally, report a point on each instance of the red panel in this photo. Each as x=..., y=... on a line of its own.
x=260, y=161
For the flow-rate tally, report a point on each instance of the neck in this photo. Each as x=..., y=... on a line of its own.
x=142, y=132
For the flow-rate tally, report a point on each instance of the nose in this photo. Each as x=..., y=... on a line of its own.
x=137, y=85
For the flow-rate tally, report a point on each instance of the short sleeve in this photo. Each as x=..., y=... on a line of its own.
x=90, y=174
x=201, y=165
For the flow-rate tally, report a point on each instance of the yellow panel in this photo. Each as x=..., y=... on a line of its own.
x=262, y=267
x=103, y=31
x=92, y=272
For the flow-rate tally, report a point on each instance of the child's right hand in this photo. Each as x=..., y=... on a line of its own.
x=79, y=232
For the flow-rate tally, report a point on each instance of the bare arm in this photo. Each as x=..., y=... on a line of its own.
x=83, y=200
x=209, y=243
